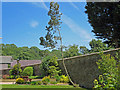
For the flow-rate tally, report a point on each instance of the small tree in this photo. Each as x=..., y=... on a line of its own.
x=50, y=66
x=14, y=71
x=53, y=31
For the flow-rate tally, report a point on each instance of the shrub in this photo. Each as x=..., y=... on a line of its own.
x=64, y=79
x=19, y=80
x=14, y=71
x=5, y=76
x=53, y=82
x=25, y=78
x=28, y=71
x=11, y=77
x=39, y=82
x=33, y=83
x=57, y=77
x=35, y=77
x=108, y=66
x=46, y=80
x=49, y=66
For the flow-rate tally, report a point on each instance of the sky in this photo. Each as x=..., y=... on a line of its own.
x=23, y=23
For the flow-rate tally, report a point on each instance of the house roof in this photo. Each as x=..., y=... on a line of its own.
x=26, y=62
x=6, y=59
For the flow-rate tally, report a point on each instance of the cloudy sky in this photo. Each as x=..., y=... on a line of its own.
x=23, y=23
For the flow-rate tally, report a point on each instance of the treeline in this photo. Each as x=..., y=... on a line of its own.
x=34, y=53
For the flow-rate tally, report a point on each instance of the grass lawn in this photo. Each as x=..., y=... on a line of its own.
x=36, y=86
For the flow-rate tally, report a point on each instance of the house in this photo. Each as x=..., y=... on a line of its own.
x=5, y=62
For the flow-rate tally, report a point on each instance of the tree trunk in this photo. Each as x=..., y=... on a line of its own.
x=64, y=63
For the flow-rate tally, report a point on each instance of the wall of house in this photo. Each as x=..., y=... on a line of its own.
x=3, y=66
x=83, y=69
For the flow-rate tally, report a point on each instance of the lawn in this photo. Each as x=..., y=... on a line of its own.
x=37, y=86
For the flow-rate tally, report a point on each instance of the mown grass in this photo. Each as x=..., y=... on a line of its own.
x=38, y=86
x=35, y=86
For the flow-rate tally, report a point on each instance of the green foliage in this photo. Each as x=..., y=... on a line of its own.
x=46, y=80
x=53, y=82
x=11, y=77
x=19, y=81
x=21, y=53
x=57, y=77
x=35, y=77
x=98, y=45
x=28, y=71
x=9, y=66
x=104, y=18
x=64, y=79
x=50, y=66
x=84, y=50
x=14, y=71
x=39, y=82
x=33, y=83
x=108, y=66
x=50, y=40
x=71, y=51
x=53, y=70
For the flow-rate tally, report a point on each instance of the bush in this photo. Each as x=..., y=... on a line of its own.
x=19, y=80
x=64, y=79
x=46, y=80
x=28, y=71
x=53, y=82
x=39, y=82
x=11, y=77
x=35, y=77
x=25, y=78
x=33, y=83
x=57, y=77
x=14, y=71
x=49, y=66
x=5, y=76
x=109, y=69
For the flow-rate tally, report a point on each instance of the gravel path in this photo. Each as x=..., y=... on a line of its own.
x=7, y=82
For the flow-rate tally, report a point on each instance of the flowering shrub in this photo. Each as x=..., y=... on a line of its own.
x=46, y=80
x=64, y=79
x=19, y=80
x=5, y=76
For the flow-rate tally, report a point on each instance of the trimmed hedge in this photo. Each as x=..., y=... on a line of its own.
x=28, y=71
